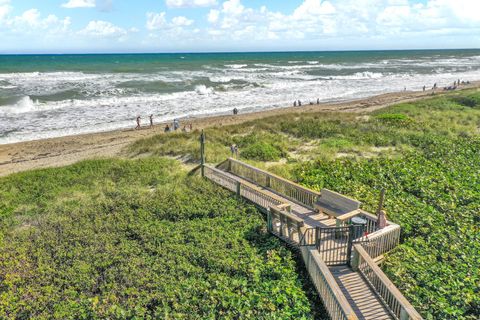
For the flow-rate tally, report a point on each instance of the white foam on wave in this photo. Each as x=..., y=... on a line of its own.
x=24, y=105
x=203, y=90
x=236, y=66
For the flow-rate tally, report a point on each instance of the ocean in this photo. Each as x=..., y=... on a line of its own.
x=44, y=96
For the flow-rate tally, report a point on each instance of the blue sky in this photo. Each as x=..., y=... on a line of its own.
x=63, y=26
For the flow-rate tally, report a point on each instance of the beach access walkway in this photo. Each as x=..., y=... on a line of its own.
x=342, y=258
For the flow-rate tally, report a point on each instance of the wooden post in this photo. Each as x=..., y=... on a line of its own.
x=381, y=202
x=239, y=186
x=202, y=153
x=317, y=237
x=269, y=220
x=355, y=260
x=350, y=244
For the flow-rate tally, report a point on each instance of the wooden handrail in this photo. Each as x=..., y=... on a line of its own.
x=284, y=187
x=249, y=185
x=290, y=216
x=349, y=215
x=338, y=306
x=296, y=185
x=395, y=300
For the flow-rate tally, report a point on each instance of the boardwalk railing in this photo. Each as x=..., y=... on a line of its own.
x=247, y=190
x=333, y=299
x=284, y=225
x=382, y=241
x=399, y=306
x=308, y=237
x=289, y=189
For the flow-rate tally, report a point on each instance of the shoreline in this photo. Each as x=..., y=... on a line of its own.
x=60, y=151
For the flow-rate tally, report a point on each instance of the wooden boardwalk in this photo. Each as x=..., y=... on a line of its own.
x=363, y=300
x=342, y=266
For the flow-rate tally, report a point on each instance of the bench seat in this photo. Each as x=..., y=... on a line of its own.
x=335, y=204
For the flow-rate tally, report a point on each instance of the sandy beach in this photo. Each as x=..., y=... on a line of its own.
x=70, y=149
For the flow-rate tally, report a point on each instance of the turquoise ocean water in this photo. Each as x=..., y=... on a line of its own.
x=55, y=95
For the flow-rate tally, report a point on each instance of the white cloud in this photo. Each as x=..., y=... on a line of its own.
x=31, y=21
x=5, y=9
x=103, y=29
x=71, y=4
x=213, y=16
x=326, y=19
x=190, y=3
x=233, y=7
x=156, y=21
x=181, y=21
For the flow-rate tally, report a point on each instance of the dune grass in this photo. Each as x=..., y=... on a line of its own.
x=139, y=239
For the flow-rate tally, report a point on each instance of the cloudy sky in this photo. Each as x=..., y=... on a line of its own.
x=57, y=26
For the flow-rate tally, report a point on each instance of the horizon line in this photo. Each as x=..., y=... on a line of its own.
x=231, y=52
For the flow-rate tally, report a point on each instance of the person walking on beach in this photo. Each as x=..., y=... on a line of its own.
x=295, y=103
x=151, y=120
x=138, y=123
x=167, y=128
x=299, y=103
x=235, y=111
x=424, y=88
x=176, y=124
x=318, y=101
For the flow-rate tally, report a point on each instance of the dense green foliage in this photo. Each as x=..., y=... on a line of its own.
x=138, y=239
x=427, y=155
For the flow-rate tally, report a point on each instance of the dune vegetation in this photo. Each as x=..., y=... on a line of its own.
x=425, y=153
x=142, y=238
x=139, y=239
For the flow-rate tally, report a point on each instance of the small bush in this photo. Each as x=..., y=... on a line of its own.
x=261, y=151
x=471, y=101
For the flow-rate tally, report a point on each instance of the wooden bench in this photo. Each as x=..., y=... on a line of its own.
x=335, y=205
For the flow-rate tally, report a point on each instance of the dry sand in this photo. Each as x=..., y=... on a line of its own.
x=62, y=151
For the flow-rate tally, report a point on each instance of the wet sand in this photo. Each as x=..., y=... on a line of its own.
x=62, y=151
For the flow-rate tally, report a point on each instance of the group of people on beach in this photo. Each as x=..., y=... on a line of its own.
x=175, y=125
x=299, y=102
x=456, y=84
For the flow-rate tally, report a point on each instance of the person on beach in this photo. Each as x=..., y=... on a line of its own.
x=299, y=103
x=424, y=88
x=176, y=124
x=235, y=111
x=167, y=128
x=318, y=101
x=138, y=123
x=151, y=120
x=295, y=103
